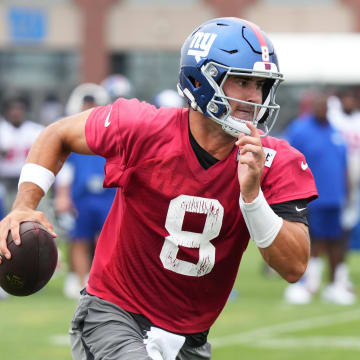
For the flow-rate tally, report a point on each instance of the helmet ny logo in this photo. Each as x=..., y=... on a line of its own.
x=201, y=45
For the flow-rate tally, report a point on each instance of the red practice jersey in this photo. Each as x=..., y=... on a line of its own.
x=172, y=243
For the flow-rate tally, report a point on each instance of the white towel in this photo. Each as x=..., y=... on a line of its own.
x=163, y=345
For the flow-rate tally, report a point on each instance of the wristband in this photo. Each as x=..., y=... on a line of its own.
x=38, y=175
x=263, y=224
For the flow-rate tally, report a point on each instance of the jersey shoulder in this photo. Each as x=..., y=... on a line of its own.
x=137, y=114
x=144, y=127
x=286, y=175
x=279, y=151
x=132, y=118
x=131, y=130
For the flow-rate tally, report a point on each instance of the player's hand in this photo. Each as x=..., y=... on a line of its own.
x=251, y=163
x=12, y=223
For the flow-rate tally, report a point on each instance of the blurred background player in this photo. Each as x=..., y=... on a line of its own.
x=17, y=134
x=344, y=114
x=75, y=102
x=118, y=85
x=81, y=201
x=2, y=201
x=16, y=137
x=52, y=109
x=3, y=294
x=168, y=98
x=325, y=151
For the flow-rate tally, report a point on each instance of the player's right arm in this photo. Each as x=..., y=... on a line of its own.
x=50, y=150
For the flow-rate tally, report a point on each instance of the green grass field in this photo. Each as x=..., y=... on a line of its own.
x=256, y=325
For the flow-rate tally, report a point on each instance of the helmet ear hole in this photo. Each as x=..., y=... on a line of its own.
x=266, y=88
x=220, y=79
x=193, y=81
x=264, y=117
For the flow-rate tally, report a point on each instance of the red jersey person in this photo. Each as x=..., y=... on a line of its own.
x=194, y=185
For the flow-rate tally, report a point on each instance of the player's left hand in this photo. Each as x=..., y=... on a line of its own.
x=251, y=163
x=12, y=221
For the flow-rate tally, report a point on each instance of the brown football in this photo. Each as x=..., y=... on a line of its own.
x=32, y=263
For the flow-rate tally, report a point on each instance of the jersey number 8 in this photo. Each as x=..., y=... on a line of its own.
x=178, y=237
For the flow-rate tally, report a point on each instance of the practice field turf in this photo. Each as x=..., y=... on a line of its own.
x=257, y=324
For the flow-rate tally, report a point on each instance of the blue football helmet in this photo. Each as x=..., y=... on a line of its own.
x=225, y=47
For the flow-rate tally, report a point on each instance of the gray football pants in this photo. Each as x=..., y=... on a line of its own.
x=102, y=330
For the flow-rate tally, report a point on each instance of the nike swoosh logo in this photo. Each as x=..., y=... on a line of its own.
x=230, y=51
x=304, y=166
x=107, y=122
x=297, y=209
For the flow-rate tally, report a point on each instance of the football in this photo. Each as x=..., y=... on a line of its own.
x=32, y=263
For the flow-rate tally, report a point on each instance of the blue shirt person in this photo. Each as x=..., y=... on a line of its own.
x=326, y=154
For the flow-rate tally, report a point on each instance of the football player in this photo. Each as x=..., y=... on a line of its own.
x=194, y=185
x=81, y=202
x=310, y=134
x=17, y=134
x=168, y=98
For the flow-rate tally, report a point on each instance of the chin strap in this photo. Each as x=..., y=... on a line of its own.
x=187, y=94
x=235, y=126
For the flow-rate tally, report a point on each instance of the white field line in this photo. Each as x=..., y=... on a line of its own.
x=283, y=343
x=332, y=342
x=278, y=329
x=266, y=336
x=60, y=340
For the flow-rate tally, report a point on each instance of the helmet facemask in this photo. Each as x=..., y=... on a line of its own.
x=219, y=109
x=225, y=47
